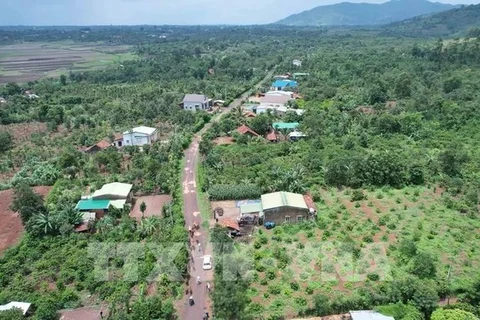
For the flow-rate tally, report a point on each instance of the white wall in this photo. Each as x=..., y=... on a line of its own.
x=136, y=139
x=194, y=106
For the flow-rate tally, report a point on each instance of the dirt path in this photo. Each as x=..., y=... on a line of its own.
x=192, y=215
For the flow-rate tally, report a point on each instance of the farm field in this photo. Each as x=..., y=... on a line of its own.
x=32, y=61
x=295, y=262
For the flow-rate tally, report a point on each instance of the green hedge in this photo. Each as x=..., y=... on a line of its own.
x=234, y=192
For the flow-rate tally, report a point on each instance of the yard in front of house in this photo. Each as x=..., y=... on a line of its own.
x=354, y=243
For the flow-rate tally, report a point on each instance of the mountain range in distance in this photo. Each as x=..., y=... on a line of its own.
x=362, y=14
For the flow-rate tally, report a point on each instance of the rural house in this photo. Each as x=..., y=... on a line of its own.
x=118, y=140
x=139, y=136
x=114, y=194
x=244, y=130
x=284, y=84
x=99, y=146
x=297, y=63
x=2, y=100
x=287, y=126
x=299, y=75
x=285, y=207
x=195, y=102
x=279, y=93
x=296, y=135
x=272, y=136
x=274, y=101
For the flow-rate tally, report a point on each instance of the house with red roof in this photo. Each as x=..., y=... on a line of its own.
x=244, y=130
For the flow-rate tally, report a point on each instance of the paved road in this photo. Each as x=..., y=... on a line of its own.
x=192, y=215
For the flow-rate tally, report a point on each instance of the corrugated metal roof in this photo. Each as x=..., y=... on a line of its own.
x=141, y=129
x=369, y=315
x=118, y=203
x=92, y=204
x=283, y=199
x=285, y=125
x=284, y=83
x=251, y=208
x=116, y=188
x=195, y=98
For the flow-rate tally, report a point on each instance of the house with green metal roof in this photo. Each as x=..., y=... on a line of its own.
x=285, y=207
x=285, y=125
x=92, y=205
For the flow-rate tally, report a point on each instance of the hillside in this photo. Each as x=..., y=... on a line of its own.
x=457, y=22
x=347, y=13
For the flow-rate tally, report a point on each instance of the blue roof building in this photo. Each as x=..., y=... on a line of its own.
x=284, y=84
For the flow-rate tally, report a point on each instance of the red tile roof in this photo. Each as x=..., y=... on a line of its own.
x=243, y=129
x=82, y=227
x=117, y=136
x=271, y=136
x=229, y=223
x=249, y=114
x=309, y=201
x=102, y=144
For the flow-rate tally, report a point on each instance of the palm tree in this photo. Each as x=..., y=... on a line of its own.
x=44, y=223
x=104, y=225
x=148, y=226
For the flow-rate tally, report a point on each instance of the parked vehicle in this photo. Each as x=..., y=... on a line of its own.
x=269, y=225
x=207, y=262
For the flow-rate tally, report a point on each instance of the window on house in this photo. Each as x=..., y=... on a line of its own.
x=128, y=141
x=299, y=218
x=287, y=219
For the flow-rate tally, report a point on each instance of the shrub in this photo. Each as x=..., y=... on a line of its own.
x=373, y=276
x=294, y=285
x=220, y=192
x=309, y=290
x=274, y=289
x=357, y=195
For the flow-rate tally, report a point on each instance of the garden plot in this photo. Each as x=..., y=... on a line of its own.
x=154, y=206
x=353, y=243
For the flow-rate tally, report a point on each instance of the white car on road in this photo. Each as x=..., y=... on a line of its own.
x=207, y=262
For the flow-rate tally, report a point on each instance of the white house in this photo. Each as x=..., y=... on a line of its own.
x=280, y=93
x=297, y=63
x=195, y=102
x=139, y=136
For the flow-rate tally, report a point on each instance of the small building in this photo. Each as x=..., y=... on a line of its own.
x=139, y=136
x=297, y=63
x=299, y=75
x=284, y=84
x=96, y=208
x=118, y=140
x=274, y=101
x=31, y=95
x=219, y=103
x=99, y=146
x=285, y=125
x=368, y=315
x=272, y=136
x=281, y=77
x=195, y=102
x=244, y=130
x=281, y=111
x=249, y=114
x=285, y=207
x=296, y=135
x=2, y=100
x=23, y=306
x=114, y=191
x=280, y=93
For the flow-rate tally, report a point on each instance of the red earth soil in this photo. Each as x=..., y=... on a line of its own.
x=11, y=227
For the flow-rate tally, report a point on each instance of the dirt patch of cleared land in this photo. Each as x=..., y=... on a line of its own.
x=23, y=131
x=34, y=60
x=11, y=227
x=87, y=313
x=154, y=205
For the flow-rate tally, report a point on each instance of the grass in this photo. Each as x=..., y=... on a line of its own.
x=351, y=240
x=202, y=198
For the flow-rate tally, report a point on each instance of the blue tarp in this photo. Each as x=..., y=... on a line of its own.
x=284, y=83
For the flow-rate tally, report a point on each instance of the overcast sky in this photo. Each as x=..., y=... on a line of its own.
x=158, y=12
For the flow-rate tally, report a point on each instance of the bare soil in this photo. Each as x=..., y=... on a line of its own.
x=154, y=205
x=86, y=313
x=22, y=132
x=11, y=227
